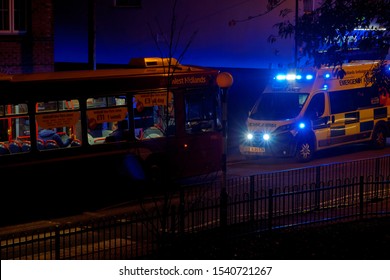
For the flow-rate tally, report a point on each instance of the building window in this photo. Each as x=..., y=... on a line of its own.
x=13, y=16
x=127, y=3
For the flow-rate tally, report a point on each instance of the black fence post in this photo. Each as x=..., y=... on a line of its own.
x=181, y=212
x=270, y=208
x=173, y=220
x=57, y=242
x=361, y=196
x=377, y=175
x=252, y=199
x=223, y=208
x=318, y=184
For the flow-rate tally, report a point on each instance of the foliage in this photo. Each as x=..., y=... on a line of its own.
x=271, y=5
x=169, y=46
x=339, y=30
x=168, y=43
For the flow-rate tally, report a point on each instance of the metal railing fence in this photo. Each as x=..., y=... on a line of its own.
x=264, y=202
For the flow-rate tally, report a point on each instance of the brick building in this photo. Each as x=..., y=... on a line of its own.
x=26, y=36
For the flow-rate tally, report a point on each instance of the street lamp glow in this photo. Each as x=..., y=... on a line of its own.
x=224, y=80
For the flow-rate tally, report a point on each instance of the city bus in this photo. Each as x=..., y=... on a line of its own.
x=169, y=115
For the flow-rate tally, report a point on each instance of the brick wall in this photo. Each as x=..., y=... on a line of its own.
x=33, y=51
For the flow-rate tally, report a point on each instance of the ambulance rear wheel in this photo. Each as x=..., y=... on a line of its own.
x=378, y=139
x=304, y=151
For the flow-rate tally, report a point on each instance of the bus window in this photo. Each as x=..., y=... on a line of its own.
x=154, y=115
x=104, y=114
x=201, y=114
x=14, y=129
x=58, y=124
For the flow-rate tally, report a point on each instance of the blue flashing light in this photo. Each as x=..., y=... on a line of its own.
x=309, y=77
x=280, y=77
x=293, y=77
x=290, y=77
x=325, y=87
x=301, y=125
x=327, y=76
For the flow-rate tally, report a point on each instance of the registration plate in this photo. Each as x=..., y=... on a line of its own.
x=256, y=149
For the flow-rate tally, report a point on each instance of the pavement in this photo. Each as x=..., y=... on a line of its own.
x=233, y=156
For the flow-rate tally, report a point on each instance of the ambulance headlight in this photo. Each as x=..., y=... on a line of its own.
x=266, y=137
x=249, y=136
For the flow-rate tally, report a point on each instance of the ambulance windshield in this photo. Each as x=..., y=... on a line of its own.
x=278, y=106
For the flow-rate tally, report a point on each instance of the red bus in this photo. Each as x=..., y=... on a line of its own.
x=169, y=115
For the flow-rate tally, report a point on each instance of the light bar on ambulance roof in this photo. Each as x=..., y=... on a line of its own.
x=293, y=77
x=326, y=76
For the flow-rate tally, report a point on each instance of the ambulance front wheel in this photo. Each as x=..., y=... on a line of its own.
x=305, y=150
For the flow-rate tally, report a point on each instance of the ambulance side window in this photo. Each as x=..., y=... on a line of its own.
x=346, y=100
x=316, y=107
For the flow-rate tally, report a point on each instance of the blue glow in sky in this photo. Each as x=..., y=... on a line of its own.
x=203, y=25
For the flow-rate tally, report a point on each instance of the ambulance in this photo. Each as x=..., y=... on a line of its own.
x=302, y=112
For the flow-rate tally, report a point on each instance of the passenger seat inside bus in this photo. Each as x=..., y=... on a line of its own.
x=51, y=144
x=14, y=147
x=26, y=146
x=75, y=143
x=4, y=149
x=40, y=144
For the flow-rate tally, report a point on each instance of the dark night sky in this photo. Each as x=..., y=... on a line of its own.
x=122, y=33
